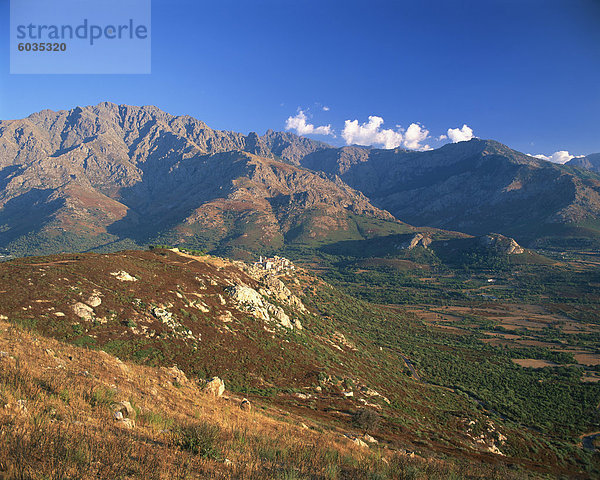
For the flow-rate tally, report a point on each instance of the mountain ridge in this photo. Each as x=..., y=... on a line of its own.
x=134, y=175
x=112, y=171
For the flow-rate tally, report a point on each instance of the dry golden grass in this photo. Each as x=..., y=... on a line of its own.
x=56, y=423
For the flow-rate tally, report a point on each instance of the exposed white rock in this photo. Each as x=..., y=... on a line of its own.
x=162, y=314
x=199, y=305
x=94, y=300
x=127, y=423
x=302, y=396
x=215, y=386
x=244, y=294
x=226, y=317
x=501, y=244
x=177, y=374
x=360, y=443
x=123, y=276
x=124, y=414
x=417, y=240
x=253, y=302
x=280, y=316
x=83, y=311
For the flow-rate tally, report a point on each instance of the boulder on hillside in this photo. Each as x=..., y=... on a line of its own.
x=359, y=443
x=244, y=294
x=124, y=414
x=83, y=311
x=254, y=303
x=94, y=300
x=215, y=386
x=176, y=374
x=162, y=314
x=246, y=405
x=123, y=276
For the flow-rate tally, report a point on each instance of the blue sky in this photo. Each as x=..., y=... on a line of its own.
x=526, y=73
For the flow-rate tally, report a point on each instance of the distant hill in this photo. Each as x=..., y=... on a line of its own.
x=590, y=162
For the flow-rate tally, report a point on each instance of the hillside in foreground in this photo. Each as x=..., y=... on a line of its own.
x=299, y=350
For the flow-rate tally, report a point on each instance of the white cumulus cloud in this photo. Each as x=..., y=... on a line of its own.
x=302, y=127
x=414, y=135
x=562, y=156
x=372, y=133
x=326, y=109
x=460, y=134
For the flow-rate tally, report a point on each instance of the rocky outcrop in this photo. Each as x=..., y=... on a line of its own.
x=417, y=240
x=272, y=286
x=214, y=386
x=245, y=295
x=95, y=299
x=124, y=414
x=162, y=314
x=501, y=244
x=123, y=276
x=254, y=303
x=177, y=375
x=177, y=328
x=485, y=436
x=83, y=311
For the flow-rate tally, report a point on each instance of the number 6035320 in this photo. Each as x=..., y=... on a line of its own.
x=42, y=47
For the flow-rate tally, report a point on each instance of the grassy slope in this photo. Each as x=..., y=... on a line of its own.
x=57, y=423
x=274, y=367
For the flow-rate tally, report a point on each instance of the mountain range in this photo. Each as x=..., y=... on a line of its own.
x=113, y=176
x=589, y=162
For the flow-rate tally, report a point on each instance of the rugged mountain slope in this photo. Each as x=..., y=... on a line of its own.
x=477, y=187
x=589, y=162
x=116, y=175
x=113, y=177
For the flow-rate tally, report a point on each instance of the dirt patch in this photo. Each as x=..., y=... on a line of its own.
x=534, y=363
x=587, y=358
x=590, y=377
x=536, y=343
x=448, y=328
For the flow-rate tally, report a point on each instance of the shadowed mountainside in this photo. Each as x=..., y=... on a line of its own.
x=476, y=187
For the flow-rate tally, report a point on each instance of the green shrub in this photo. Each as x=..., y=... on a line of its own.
x=200, y=439
x=366, y=419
